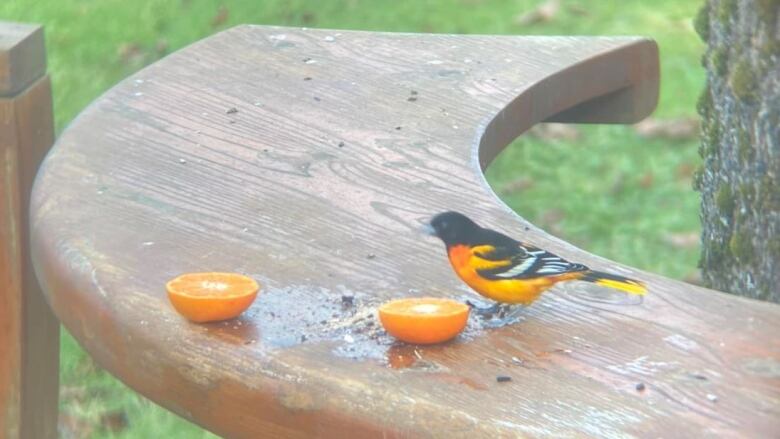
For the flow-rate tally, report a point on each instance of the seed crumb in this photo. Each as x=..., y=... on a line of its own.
x=232, y=110
x=503, y=378
x=640, y=387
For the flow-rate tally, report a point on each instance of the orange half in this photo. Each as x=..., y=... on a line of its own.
x=210, y=297
x=424, y=320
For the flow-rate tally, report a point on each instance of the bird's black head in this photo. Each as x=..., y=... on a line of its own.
x=453, y=228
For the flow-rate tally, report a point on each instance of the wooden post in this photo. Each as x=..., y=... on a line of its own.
x=29, y=332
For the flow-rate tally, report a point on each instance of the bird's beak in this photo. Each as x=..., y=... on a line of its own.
x=428, y=230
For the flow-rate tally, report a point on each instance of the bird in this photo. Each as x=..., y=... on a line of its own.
x=508, y=271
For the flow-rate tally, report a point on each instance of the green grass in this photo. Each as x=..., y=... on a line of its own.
x=610, y=191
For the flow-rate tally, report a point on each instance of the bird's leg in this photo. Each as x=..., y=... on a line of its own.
x=498, y=314
x=510, y=314
x=484, y=310
x=506, y=315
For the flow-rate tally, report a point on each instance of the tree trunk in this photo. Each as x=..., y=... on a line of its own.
x=740, y=178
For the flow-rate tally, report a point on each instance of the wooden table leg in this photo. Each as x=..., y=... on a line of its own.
x=29, y=332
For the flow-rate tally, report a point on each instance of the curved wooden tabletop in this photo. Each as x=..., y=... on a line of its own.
x=309, y=159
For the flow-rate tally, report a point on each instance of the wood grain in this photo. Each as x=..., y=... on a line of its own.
x=29, y=332
x=22, y=57
x=10, y=292
x=309, y=159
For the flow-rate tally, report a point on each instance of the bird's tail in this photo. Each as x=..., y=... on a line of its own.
x=614, y=281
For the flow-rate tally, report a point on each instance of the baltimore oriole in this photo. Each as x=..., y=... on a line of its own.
x=508, y=271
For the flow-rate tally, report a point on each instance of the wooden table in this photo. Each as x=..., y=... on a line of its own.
x=309, y=159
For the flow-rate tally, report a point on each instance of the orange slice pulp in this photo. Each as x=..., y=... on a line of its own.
x=424, y=320
x=210, y=297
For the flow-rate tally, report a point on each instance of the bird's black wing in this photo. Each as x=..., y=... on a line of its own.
x=523, y=261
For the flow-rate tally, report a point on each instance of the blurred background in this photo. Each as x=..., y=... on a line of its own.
x=623, y=192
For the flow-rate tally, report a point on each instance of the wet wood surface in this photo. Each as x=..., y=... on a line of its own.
x=29, y=331
x=309, y=159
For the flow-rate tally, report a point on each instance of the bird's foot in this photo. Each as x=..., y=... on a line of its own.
x=484, y=310
x=499, y=314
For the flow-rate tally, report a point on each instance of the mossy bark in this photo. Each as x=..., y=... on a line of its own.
x=740, y=178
